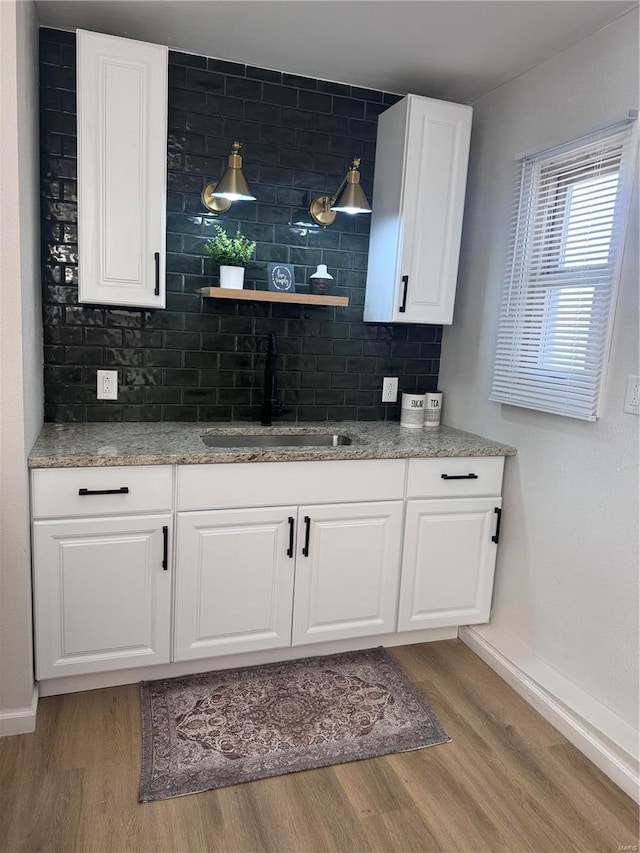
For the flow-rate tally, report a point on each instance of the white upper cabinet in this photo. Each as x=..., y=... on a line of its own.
x=418, y=202
x=122, y=168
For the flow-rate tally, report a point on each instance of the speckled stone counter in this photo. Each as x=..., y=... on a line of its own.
x=89, y=445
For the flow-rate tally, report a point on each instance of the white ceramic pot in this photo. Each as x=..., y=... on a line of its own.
x=232, y=277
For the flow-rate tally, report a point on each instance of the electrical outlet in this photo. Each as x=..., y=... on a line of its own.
x=390, y=389
x=632, y=397
x=107, y=384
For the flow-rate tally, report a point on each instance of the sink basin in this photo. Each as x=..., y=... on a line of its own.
x=261, y=439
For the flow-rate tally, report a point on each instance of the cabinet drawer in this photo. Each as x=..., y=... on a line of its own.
x=76, y=491
x=455, y=477
x=230, y=485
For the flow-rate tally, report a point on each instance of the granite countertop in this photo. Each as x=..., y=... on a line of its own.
x=99, y=444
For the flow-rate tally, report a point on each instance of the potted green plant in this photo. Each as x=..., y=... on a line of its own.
x=233, y=254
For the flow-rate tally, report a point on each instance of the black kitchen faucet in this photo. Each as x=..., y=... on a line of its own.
x=271, y=404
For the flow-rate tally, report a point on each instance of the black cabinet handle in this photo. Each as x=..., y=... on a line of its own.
x=305, y=550
x=123, y=490
x=290, y=548
x=157, y=260
x=459, y=476
x=405, y=283
x=496, y=538
x=165, y=548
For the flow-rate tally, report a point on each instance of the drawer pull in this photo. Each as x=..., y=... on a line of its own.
x=496, y=537
x=156, y=258
x=405, y=285
x=165, y=548
x=123, y=490
x=290, y=548
x=459, y=476
x=305, y=550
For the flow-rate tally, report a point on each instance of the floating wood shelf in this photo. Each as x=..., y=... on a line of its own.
x=273, y=296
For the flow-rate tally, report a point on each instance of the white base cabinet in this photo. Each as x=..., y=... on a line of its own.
x=372, y=548
x=102, y=594
x=234, y=587
x=448, y=562
x=347, y=571
x=235, y=581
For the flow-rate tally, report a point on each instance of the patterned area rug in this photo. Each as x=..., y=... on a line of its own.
x=222, y=728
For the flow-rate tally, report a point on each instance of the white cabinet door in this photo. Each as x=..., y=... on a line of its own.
x=418, y=203
x=448, y=562
x=234, y=581
x=436, y=160
x=122, y=168
x=102, y=594
x=346, y=571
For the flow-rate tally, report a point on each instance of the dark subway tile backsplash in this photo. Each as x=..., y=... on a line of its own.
x=200, y=359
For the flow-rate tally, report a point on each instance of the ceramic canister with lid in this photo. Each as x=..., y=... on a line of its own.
x=432, y=408
x=412, y=410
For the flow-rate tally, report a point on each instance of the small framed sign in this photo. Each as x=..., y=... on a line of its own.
x=280, y=278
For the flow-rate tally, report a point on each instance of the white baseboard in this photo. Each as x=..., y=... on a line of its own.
x=581, y=722
x=98, y=680
x=20, y=721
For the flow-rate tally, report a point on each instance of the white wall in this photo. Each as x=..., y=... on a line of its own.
x=29, y=190
x=21, y=394
x=566, y=595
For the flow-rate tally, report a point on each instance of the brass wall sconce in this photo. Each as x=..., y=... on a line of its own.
x=348, y=198
x=232, y=186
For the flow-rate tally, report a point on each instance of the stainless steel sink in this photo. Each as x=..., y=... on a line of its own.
x=261, y=439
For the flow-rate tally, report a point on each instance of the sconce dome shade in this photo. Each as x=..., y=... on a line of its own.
x=348, y=198
x=233, y=186
x=352, y=200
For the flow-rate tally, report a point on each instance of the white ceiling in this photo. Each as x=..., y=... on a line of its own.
x=452, y=49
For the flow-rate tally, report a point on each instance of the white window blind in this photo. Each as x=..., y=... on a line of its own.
x=568, y=226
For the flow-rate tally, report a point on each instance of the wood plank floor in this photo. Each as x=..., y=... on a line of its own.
x=508, y=782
